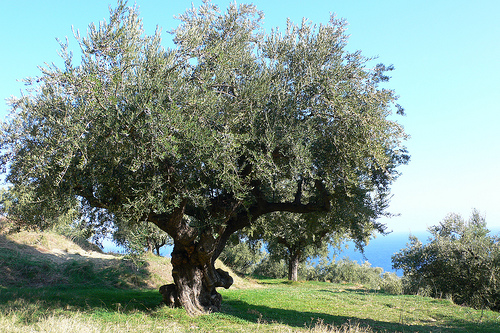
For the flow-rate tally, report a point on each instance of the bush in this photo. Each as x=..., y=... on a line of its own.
x=461, y=261
x=348, y=271
x=271, y=268
x=391, y=284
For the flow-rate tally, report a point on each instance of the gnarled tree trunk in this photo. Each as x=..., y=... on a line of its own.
x=196, y=280
x=196, y=249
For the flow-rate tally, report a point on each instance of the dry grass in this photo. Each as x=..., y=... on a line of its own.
x=51, y=250
x=78, y=322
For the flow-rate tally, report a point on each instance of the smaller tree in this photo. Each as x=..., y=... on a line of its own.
x=242, y=254
x=294, y=238
x=461, y=260
x=140, y=237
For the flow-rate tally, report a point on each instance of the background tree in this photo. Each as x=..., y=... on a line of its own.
x=243, y=255
x=296, y=238
x=461, y=260
x=141, y=237
x=205, y=138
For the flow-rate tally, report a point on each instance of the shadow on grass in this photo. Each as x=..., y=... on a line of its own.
x=68, y=298
x=306, y=319
x=39, y=301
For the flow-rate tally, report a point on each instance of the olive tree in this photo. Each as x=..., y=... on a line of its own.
x=461, y=261
x=203, y=138
x=296, y=238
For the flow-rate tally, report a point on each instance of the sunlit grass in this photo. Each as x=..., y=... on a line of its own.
x=277, y=306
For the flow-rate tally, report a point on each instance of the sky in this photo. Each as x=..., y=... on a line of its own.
x=446, y=55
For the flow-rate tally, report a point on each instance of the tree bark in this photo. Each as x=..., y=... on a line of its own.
x=293, y=265
x=195, y=251
x=195, y=280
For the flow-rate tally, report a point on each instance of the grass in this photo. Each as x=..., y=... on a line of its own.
x=276, y=306
x=46, y=289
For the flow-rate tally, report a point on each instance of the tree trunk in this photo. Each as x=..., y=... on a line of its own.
x=149, y=245
x=293, y=265
x=195, y=280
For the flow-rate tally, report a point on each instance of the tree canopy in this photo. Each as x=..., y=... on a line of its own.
x=203, y=138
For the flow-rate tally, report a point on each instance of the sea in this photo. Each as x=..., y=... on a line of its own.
x=377, y=253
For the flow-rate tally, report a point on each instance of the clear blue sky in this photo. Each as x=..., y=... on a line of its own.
x=447, y=59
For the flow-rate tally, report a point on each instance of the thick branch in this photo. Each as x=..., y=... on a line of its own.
x=298, y=195
x=87, y=194
x=175, y=224
x=296, y=206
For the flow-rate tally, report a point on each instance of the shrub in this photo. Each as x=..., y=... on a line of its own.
x=242, y=257
x=271, y=268
x=391, y=284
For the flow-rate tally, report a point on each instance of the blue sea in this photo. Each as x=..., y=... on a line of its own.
x=379, y=250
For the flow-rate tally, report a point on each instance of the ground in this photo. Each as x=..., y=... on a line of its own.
x=38, y=259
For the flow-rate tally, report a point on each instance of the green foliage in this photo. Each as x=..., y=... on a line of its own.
x=461, y=261
x=347, y=271
x=232, y=118
x=20, y=207
x=242, y=256
x=249, y=257
x=391, y=284
x=271, y=268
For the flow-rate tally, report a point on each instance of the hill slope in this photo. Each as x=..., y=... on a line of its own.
x=38, y=259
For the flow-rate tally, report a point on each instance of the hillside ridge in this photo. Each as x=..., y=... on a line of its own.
x=38, y=259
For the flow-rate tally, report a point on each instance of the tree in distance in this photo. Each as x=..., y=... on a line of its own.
x=139, y=237
x=204, y=138
x=461, y=261
x=296, y=237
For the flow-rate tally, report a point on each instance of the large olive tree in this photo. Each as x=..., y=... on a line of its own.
x=204, y=138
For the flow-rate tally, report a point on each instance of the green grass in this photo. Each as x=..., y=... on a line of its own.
x=277, y=306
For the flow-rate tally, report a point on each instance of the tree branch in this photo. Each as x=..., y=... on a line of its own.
x=92, y=200
x=298, y=195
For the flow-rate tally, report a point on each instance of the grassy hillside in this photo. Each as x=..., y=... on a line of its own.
x=30, y=259
x=50, y=284
x=43, y=259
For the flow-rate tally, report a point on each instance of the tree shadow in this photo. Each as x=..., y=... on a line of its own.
x=68, y=298
x=307, y=319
